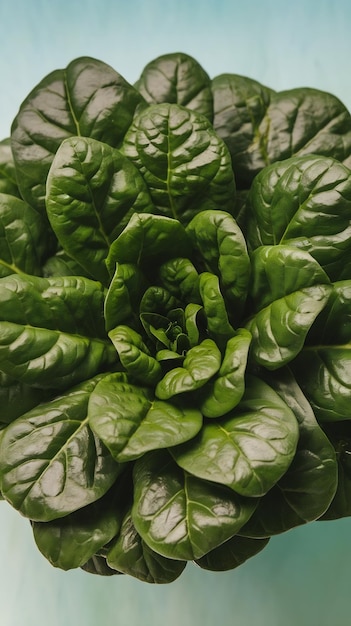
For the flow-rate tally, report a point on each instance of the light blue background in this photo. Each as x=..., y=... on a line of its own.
x=302, y=578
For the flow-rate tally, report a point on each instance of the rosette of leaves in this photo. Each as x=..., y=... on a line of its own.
x=174, y=356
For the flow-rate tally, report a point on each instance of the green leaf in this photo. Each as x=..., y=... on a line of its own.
x=249, y=449
x=51, y=358
x=195, y=323
x=305, y=491
x=289, y=289
x=70, y=541
x=218, y=325
x=123, y=295
x=92, y=190
x=131, y=555
x=200, y=364
x=181, y=279
x=240, y=104
x=24, y=239
x=135, y=356
x=305, y=202
x=221, y=246
x=221, y=395
x=87, y=99
x=231, y=553
x=180, y=516
x=157, y=301
x=326, y=358
x=261, y=126
x=72, y=304
x=177, y=78
x=51, y=462
x=147, y=239
x=183, y=161
x=130, y=422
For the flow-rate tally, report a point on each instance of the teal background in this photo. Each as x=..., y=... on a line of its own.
x=302, y=577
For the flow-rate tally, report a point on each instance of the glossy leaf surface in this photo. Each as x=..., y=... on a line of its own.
x=92, y=190
x=131, y=422
x=220, y=242
x=72, y=304
x=305, y=491
x=23, y=240
x=305, y=202
x=249, y=449
x=88, y=99
x=51, y=463
x=289, y=289
x=131, y=555
x=135, y=356
x=148, y=237
x=262, y=126
x=177, y=78
x=169, y=144
x=189, y=517
x=51, y=358
x=220, y=396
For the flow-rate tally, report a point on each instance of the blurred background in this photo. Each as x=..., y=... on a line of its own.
x=302, y=577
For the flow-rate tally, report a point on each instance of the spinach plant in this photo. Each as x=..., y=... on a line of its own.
x=175, y=303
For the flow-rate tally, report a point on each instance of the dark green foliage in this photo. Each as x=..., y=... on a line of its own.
x=175, y=371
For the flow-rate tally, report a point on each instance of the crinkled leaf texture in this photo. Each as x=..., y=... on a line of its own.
x=23, y=237
x=92, y=191
x=87, y=98
x=304, y=202
x=183, y=161
x=177, y=78
x=261, y=126
x=289, y=289
x=51, y=462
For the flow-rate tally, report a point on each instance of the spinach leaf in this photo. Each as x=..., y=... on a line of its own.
x=305, y=202
x=129, y=554
x=51, y=462
x=326, y=358
x=170, y=144
x=262, y=126
x=92, y=190
x=289, y=289
x=249, y=449
x=131, y=422
x=177, y=78
x=307, y=488
x=88, y=98
x=189, y=517
x=23, y=240
x=70, y=541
